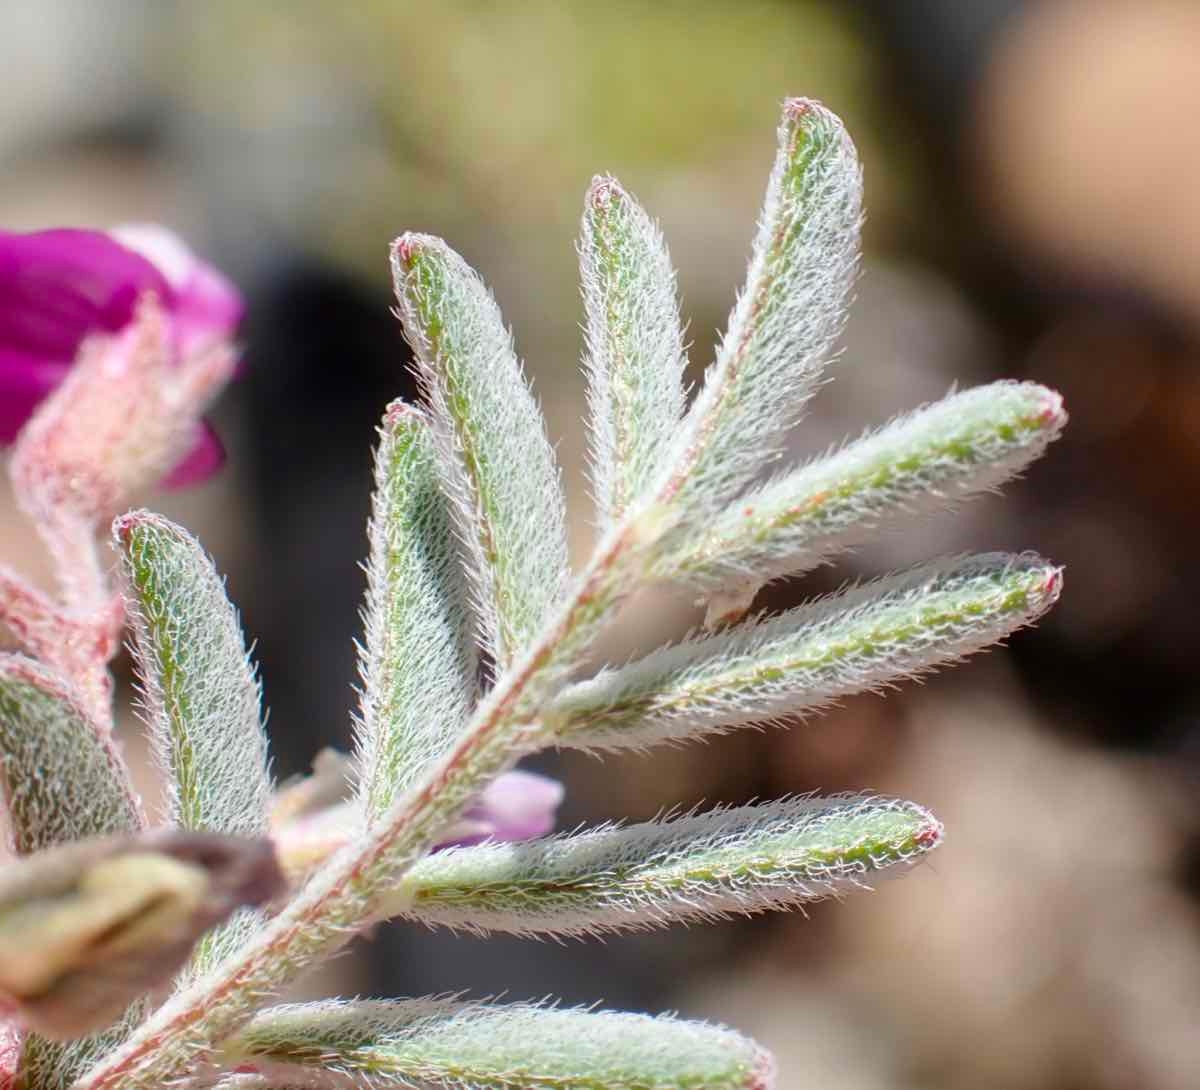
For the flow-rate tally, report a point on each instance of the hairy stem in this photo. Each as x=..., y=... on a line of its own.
x=78, y=635
x=346, y=894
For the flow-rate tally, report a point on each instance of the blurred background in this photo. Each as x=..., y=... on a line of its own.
x=1033, y=190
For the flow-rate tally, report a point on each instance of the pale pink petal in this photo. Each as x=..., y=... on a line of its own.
x=516, y=806
x=206, y=456
x=311, y=839
x=78, y=451
x=205, y=306
x=465, y=831
x=208, y=308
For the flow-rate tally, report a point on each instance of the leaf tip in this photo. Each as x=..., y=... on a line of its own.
x=802, y=115
x=930, y=832
x=123, y=526
x=403, y=248
x=141, y=527
x=796, y=108
x=401, y=413
x=1049, y=579
x=1052, y=415
x=1032, y=583
x=763, y=1072
x=604, y=192
x=410, y=247
x=1052, y=584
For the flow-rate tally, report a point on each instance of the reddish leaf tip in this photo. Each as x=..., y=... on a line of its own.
x=762, y=1074
x=604, y=191
x=400, y=411
x=124, y=525
x=1053, y=413
x=931, y=834
x=402, y=249
x=806, y=110
x=412, y=245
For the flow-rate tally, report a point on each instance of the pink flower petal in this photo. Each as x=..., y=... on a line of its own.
x=24, y=381
x=201, y=462
x=58, y=286
x=465, y=831
x=312, y=838
x=516, y=806
x=206, y=306
x=209, y=308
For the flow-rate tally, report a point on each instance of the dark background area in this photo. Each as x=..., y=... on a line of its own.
x=1034, y=212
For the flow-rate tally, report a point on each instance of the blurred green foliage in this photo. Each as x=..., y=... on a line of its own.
x=501, y=112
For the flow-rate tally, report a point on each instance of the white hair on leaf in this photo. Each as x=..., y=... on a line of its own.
x=200, y=695
x=861, y=639
x=966, y=444
x=635, y=357
x=449, y=1044
x=502, y=474
x=418, y=664
x=786, y=321
x=688, y=868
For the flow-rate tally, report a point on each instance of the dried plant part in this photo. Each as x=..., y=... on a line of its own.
x=64, y=781
x=87, y=928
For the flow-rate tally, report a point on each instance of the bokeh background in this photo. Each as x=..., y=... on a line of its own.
x=1033, y=187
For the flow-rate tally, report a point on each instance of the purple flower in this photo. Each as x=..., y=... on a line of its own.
x=515, y=806
x=60, y=286
x=312, y=818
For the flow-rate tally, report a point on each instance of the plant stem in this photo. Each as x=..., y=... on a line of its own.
x=346, y=894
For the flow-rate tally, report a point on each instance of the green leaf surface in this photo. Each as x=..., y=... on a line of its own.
x=965, y=444
x=694, y=867
x=635, y=358
x=449, y=1045
x=418, y=664
x=861, y=640
x=201, y=697
x=62, y=780
x=508, y=499
x=787, y=319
